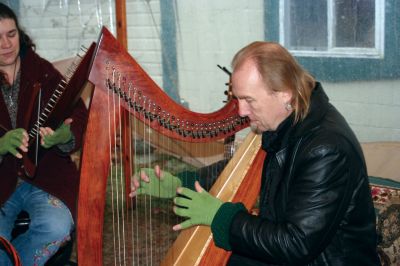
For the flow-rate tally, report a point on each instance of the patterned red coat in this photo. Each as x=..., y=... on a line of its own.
x=55, y=173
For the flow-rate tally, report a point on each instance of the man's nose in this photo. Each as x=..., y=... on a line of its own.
x=243, y=109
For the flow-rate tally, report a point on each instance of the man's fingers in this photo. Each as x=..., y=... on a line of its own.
x=157, y=170
x=198, y=187
x=144, y=176
x=136, y=183
x=186, y=192
x=184, y=225
x=183, y=202
x=134, y=186
x=181, y=211
x=177, y=227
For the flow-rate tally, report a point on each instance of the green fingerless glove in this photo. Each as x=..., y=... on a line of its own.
x=163, y=187
x=61, y=135
x=11, y=141
x=199, y=207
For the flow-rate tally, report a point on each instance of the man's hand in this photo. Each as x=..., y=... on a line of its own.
x=13, y=140
x=154, y=182
x=61, y=135
x=200, y=207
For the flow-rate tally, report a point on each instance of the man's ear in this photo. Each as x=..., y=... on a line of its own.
x=286, y=96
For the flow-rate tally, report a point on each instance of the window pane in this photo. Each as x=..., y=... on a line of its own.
x=355, y=23
x=307, y=24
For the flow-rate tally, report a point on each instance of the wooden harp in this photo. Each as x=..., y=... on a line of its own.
x=122, y=87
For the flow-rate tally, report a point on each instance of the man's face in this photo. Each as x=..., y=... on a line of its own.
x=265, y=108
x=9, y=42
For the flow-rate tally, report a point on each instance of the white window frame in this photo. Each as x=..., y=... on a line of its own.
x=376, y=52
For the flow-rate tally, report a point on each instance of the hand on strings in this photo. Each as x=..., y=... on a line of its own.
x=13, y=140
x=61, y=135
x=199, y=207
x=154, y=182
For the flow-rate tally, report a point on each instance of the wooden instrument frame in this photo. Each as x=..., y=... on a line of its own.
x=107, y=83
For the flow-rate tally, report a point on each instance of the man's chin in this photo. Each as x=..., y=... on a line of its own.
x=255, y=129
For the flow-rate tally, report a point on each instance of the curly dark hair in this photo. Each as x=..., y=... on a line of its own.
x=24, y=40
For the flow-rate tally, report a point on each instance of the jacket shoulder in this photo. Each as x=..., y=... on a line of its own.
x=37, y=65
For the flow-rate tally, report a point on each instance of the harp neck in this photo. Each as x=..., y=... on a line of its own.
x=118, y=78
x=117, y=72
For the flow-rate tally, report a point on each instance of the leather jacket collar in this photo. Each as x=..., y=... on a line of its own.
x=287, y=133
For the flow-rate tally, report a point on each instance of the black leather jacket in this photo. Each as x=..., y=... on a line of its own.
x=316, y=207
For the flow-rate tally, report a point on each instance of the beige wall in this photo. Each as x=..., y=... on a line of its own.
x=372, y=108
x=209, y=32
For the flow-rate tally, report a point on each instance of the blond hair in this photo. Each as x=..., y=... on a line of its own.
x=280, y=71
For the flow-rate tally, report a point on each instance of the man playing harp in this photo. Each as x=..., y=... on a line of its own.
x=315, y=204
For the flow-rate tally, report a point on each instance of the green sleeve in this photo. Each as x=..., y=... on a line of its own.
x=221, y=223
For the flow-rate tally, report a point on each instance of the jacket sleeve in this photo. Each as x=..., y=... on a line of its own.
x=317, y=199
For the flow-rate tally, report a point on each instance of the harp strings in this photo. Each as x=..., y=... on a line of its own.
x=115, y=171
x=131, y=218
x=111, y=161
x=147, y=199
x=116, y=192
x=137, y=238
x=134, y=203
x=121, y=179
